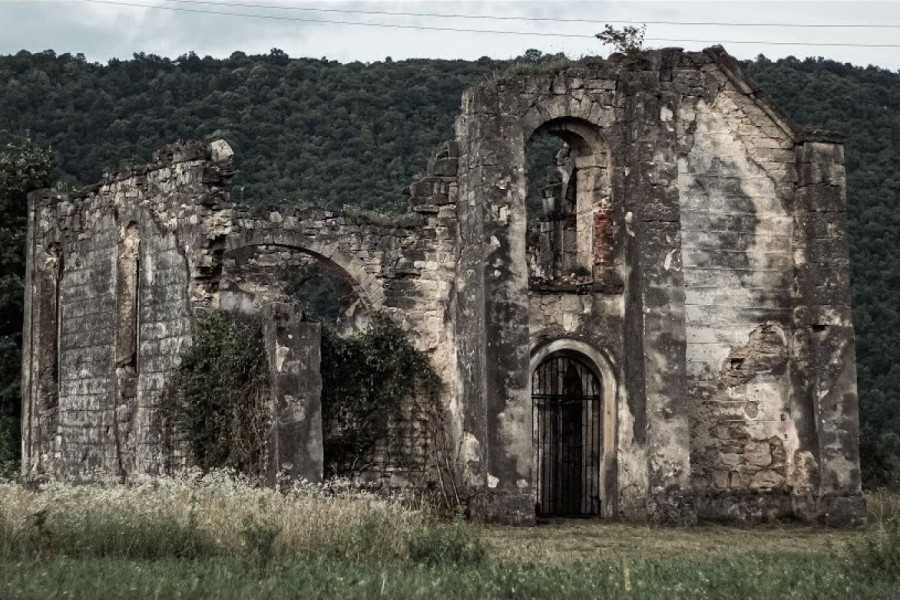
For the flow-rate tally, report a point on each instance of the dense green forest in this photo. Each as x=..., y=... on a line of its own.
x=307, y=130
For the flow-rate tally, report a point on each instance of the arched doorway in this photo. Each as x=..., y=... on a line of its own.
x=568, y=406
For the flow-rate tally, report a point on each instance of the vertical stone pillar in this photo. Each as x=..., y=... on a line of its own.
x=492, y=313
x=670, y=498
x=293, y=352
x=824, y=347
x=657, y=314
x=29, y=443
x=40, y=351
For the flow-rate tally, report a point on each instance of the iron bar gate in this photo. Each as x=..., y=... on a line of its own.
x=568, y=426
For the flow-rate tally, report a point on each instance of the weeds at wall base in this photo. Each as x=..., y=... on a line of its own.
x=223, y=515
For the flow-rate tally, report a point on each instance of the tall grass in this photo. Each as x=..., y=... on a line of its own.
x=218, y=514
x=333, y=542
x=877, y=558
x=882, y=506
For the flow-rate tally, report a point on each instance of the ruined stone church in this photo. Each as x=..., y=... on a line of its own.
x=666, y=336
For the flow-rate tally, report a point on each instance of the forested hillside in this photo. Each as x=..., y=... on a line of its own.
x=308, y=130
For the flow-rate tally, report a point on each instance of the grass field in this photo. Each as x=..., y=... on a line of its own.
x=220, y=538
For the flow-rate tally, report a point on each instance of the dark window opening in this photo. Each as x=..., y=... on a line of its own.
x=551, y=203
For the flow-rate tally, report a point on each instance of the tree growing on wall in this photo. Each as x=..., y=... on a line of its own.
x=25, y=165
x=629, y=40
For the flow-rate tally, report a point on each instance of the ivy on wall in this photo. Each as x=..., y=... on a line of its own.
x=220, y=393
x=365, y=379
x=218, y=397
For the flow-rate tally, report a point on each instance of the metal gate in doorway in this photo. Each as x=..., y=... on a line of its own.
x=567, y=404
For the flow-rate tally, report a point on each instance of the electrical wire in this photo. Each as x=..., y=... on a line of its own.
x=338, y=22
x=466, y=30
x=532, y=19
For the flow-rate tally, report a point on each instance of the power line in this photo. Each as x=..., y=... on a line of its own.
x=338, y=22
x=465, y=30
x=770, y=43
x=533, y=19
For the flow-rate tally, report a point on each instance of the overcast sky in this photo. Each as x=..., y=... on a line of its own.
x=102, y=29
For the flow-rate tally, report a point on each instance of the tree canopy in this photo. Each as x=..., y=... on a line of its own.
x=24, y=165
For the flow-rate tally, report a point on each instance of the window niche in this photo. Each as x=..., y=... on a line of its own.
x=127, y=282
x=569, y=236
x=46, y=332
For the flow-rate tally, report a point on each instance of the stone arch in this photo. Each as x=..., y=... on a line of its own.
x=579, y=133
x=365, y=285
x=605, y=371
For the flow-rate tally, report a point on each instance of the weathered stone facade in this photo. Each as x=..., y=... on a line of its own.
x=691, y=259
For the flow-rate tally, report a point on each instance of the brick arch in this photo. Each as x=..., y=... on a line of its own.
x=326, y=246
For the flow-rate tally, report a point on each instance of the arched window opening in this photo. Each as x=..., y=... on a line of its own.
x=128, y=279
x=567, y=402
x=128, y=298
x=46, y=339
x=568, y=203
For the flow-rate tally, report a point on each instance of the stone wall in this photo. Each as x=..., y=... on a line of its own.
x=121, y=270
x=690, y=233
x=132, y=257
x=735, y=178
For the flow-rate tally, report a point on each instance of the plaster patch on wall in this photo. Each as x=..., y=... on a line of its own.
x=514, y=424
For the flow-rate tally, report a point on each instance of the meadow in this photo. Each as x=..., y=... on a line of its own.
x=220, y=536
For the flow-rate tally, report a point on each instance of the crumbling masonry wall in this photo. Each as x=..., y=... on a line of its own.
x=701, y=271
x=130, y=263
x=697, y=234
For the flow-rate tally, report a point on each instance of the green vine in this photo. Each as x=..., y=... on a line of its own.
x=366, y=378
x=218, y=397
x=219, y=394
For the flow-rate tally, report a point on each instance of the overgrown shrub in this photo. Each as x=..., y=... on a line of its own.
x=9, y=441
x=218, y=396
x=365, y=379
x=628, y=40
